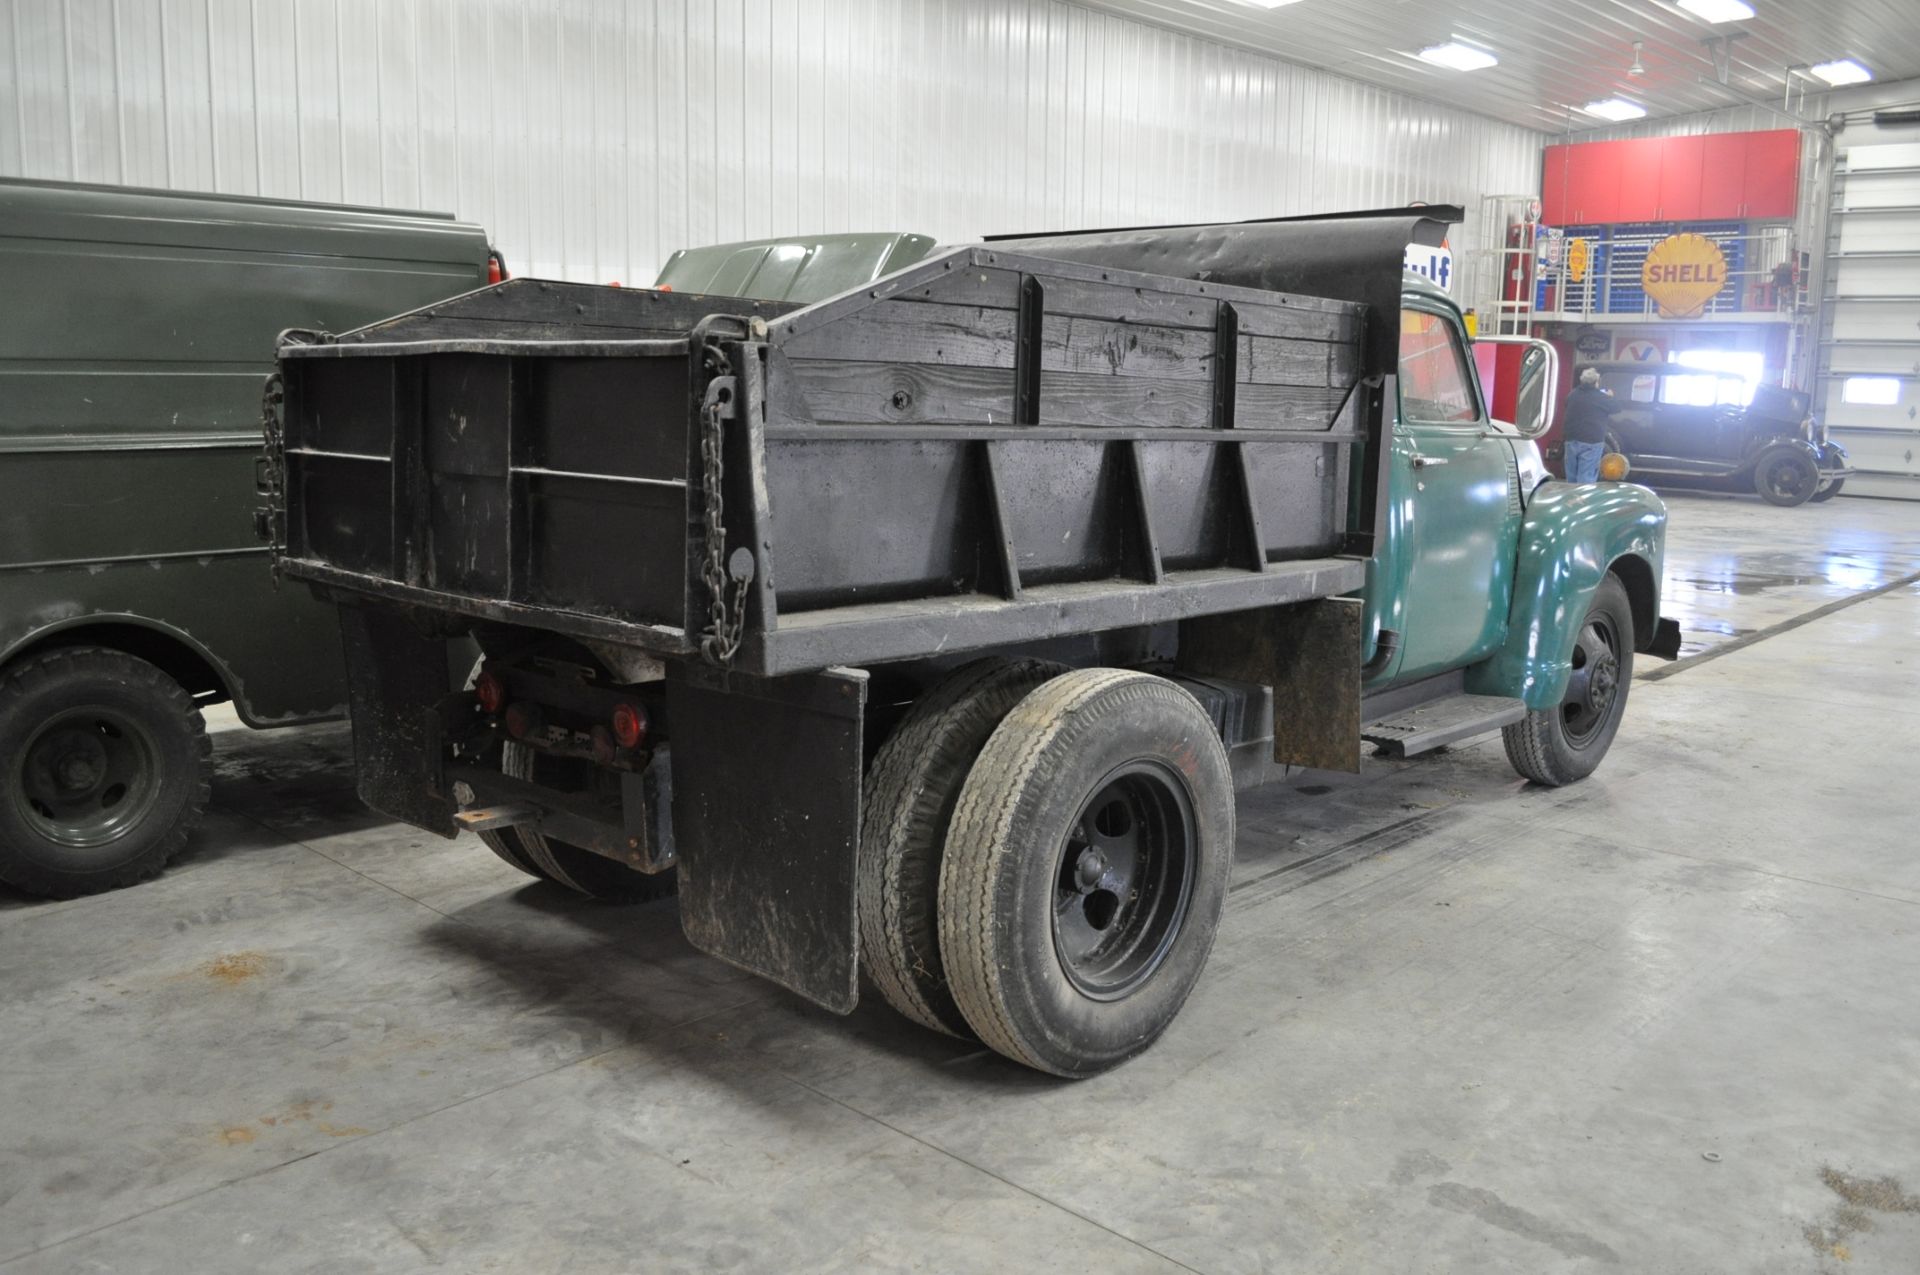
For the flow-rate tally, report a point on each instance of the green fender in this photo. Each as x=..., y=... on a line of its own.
x=1572, y=535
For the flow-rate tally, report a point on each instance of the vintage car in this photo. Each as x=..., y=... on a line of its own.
x=1771, y=446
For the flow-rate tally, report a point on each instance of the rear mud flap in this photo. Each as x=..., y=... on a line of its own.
x=397, y=677
x=766, y=820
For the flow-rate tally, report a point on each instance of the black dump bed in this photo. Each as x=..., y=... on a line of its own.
x=989, y=447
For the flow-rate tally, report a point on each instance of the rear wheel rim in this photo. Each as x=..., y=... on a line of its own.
x=1594, y=685
x=88, y=777
x=1123, y=880
x=1789, y=480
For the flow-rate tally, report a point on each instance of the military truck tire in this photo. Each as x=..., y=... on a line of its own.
x=910, y=793
x=1819, y=497
x=1786, y=477
x=105, y=771
x=1562, y=744
x=1086, y=866
x=578, y=869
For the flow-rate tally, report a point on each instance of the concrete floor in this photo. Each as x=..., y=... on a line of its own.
x=1662, y=1021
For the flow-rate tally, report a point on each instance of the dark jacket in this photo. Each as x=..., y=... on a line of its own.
x=1588, y=411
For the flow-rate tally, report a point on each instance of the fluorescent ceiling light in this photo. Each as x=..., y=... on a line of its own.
x=1844, y=71
x=1271, y=4
x=1456, y=56
x=1614, y=108
x=1718, y=10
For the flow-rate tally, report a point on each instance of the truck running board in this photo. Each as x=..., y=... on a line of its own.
x=1442, y=721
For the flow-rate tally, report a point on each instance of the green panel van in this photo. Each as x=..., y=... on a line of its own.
x=138, y=329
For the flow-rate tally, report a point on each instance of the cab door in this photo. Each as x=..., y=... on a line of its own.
x=1458, y=500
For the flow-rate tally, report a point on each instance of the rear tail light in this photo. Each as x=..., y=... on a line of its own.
x=491, y=692
x=629, y=725
x=496, y=267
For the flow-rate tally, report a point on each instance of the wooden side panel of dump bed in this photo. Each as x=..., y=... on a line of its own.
x=1006, y=432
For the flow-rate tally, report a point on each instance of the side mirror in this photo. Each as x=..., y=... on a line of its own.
x=1536, y=383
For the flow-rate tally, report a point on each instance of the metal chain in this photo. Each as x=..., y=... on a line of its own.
x=270, y=474
x=727, y=608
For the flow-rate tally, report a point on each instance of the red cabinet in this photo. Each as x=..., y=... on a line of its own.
x=1639, y=198
x=1593, y=184
x=1772, y=184
x=1715, y=177
x=1682, y=171
x=1553, y=186
x=1723, y=176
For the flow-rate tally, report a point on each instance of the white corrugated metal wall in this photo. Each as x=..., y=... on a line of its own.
x=593, y=137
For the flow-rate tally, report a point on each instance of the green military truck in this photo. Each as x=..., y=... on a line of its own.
x=926, y=631
x=138, y=329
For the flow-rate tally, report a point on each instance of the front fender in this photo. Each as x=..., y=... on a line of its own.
x=1571, y=535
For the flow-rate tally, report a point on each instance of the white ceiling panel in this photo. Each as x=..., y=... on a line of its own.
x=1555, y=56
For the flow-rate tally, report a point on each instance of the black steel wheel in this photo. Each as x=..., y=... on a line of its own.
x=576, y=868
x=908, y=801
x=1085, y=870
x=1124, y=880
x=1819, y=497
x=1564, y=743
x=1786, y=477
x=105, y=770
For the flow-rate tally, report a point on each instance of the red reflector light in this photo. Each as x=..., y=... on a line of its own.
x=665, y=287
x=629, y=725
x=522, y=720
x=496, y=267
x=491, y=691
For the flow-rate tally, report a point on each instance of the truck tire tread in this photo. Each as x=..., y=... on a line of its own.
x=1020, y=765
x=910, y=793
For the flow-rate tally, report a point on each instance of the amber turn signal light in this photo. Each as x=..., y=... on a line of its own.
x=1613, y=467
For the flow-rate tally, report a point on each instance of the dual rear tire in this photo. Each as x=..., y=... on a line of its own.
x=1045, y=859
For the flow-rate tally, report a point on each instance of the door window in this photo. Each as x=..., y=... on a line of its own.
x=1434, y=385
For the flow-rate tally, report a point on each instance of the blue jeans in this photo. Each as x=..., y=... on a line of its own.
x=1583, y=461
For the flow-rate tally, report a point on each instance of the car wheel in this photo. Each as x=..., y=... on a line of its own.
x=1828, y=494
x=910, y=794
x=1564, y=743
x=105, y=770
x=1786, y=477
x=1085, y=870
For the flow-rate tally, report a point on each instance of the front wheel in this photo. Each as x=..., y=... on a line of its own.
x=1820, y=496
x=1564, y=743
x=105, y=770
x=1786, y=477
x=1085, y=869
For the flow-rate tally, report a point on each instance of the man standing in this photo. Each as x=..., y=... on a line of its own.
x=1589, y=408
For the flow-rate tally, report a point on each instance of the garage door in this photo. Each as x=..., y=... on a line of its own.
x=1870, y=349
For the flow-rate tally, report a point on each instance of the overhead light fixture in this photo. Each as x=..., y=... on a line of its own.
x=1843, y=71
x=1718, y=10
x=1638, y=68
x=1271, y=4
x=1456, y=56
x=1615, y=109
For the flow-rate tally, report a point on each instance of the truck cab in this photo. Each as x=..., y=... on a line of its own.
x=1467, y=616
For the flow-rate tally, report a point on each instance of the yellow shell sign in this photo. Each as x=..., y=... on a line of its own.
x=1579, y=260
x=1683, y=273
